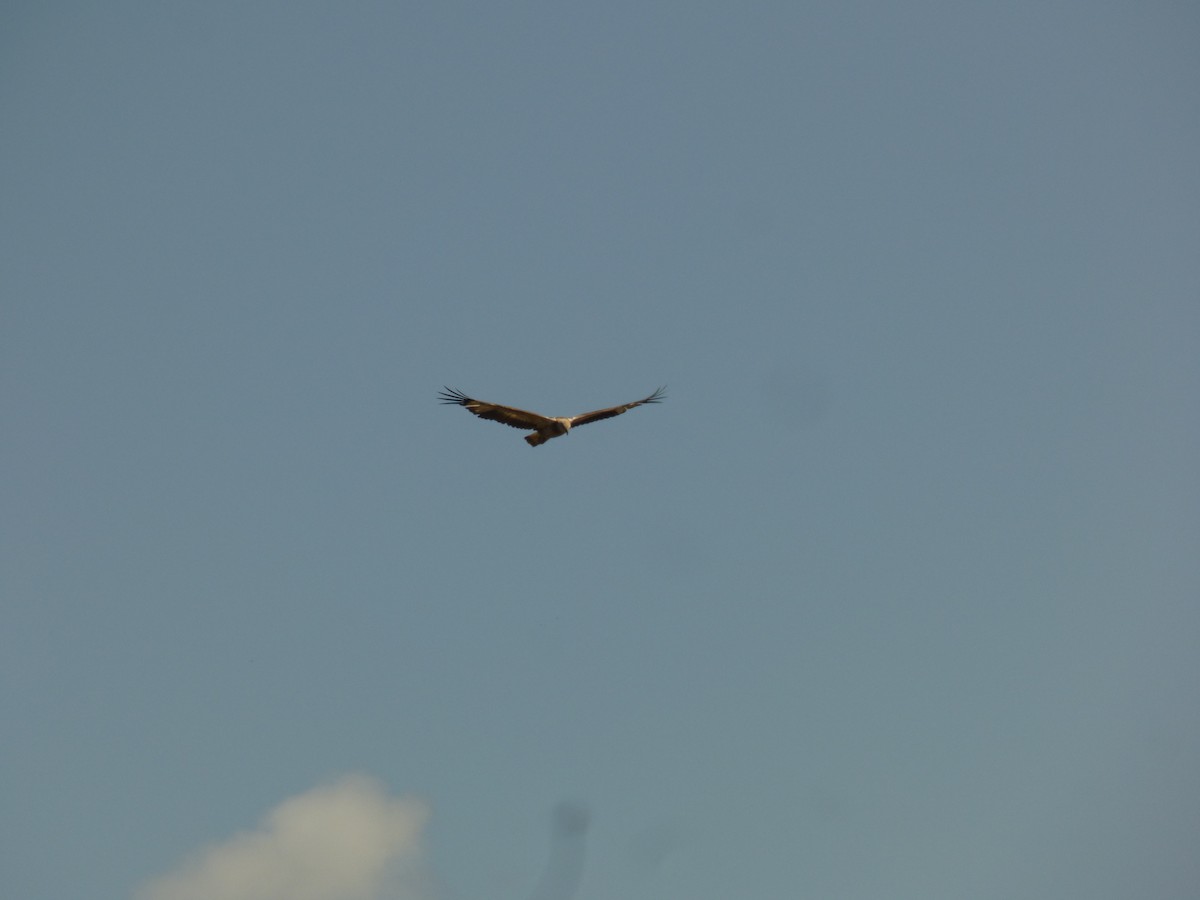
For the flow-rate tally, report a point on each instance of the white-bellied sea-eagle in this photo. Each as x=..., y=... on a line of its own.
x=543, y=427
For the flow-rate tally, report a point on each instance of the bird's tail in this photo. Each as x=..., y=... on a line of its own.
x=534, y=439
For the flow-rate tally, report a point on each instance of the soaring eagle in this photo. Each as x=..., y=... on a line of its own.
x=543, y=427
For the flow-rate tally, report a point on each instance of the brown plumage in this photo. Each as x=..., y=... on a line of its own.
x=543, y=427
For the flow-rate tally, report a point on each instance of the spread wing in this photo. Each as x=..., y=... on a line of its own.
x=599, y=414
x=517, y=418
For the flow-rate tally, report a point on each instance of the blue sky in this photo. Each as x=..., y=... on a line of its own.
x=895, y=596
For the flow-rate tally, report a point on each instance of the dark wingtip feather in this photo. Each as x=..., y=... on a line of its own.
x=450, y=395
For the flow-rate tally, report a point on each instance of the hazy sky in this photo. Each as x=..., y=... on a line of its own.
x=895, y=597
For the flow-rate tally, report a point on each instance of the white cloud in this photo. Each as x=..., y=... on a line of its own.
x=344, y=841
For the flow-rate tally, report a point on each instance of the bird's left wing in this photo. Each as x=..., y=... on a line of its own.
x=599, y=414
x=508, y=415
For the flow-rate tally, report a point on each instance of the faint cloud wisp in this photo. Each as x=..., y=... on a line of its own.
x=348, y=840
x=561, y=879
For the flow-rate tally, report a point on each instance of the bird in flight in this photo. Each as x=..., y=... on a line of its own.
x=543, y=427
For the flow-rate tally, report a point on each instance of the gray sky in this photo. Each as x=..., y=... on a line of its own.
x=895, y=596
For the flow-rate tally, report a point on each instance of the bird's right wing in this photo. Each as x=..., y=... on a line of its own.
x=508, y=415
